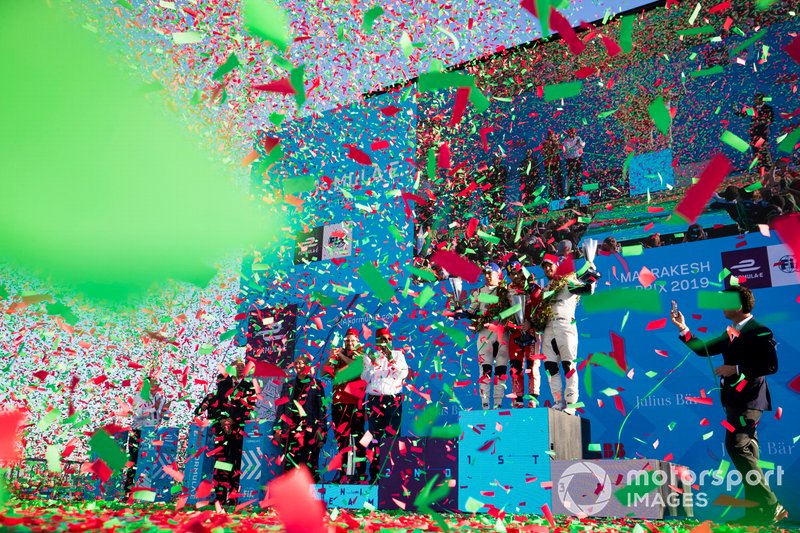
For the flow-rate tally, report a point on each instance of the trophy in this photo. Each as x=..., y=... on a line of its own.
x=590, y=252
x=519, y=317
x=456, y=293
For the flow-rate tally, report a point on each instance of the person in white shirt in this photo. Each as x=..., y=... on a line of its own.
x=149, y=410
x=385, y=370
x=573, y=157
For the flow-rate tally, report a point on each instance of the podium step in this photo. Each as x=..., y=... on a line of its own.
x=505, y=455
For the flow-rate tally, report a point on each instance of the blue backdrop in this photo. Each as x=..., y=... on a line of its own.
x=332, y=296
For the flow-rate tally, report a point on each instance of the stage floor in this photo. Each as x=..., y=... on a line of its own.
x=32, y=516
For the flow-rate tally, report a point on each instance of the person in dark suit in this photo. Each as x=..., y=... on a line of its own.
x=300, y=421
x=748, y=354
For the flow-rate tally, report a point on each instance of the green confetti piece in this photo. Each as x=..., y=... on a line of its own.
x=587, y=380
x=369, y=19
x=425, y=420
x=424, y=296
x=787, y=144
x=231, y=63
x=63, y=311
x=671, y=425
x=626, y=33
x=595, y=447
x=277, y=118
x=723, y=468
x=718, y=300
x=458, y=337
x=749, y=42
x=396, y=233
x=610, y=392
x=708, y=435
x=562, y=90
x=406, y=45
x=108, y=450
x=636, y=249
x=734, y=141
x=3, y=292
x=766, y=465
x=651, y=374
x=144, y=495
x=487, y=237
x=543, y=9
x=588, y=187
x=47, y=420
x=723, y=274
x=435, y=81
x=295, y=186
x=643, y=484
x=265, y=19
x=53, y=457
x=222, y=465
x=187, y=37
x=510, y=311
x=488, y=298
x=124, y=3
x=628, y=299
x=427, y=275
x=144, y=394
x=446, y=432
x=231, y=333
x=372, y=277
x=660, y=114
x=624, y=320
x=478, y=100
x=607, y=362
x=473, y=505
x=350, y=372
x=297, y=79
x=431, y=164
x=764, y=4
x=696, y=31
x=717, y=69
x=754, y=186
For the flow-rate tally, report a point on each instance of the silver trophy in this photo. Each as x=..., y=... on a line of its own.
x=519, y=317
x=456, y=294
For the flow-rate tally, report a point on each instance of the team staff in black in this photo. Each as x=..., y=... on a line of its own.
x=748, y=354
x=300, y=421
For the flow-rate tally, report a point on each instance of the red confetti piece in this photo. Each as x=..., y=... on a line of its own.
x=728, y=426
x=291, y=497
x=646, y=277
x=379, y=145
x=778, y=413
x=10, y=450
x=359, y=156
x=548, y=515
x=618, y=350
x=698, y=195
x=283, y=86
x=793, y=49
x=656, y=324
x=390, y=110
x=462, y=98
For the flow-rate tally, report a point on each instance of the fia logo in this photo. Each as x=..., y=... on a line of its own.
x=787, y=264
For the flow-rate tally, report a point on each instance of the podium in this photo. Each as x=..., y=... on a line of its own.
x=413, y=462
x=114, y=488
x=504, y=457
x=199, y=466
x=259, y=460
x=348, y=496
x=159, y=448
x=642, y=488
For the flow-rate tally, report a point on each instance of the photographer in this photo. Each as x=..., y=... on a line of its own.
x=749, y=356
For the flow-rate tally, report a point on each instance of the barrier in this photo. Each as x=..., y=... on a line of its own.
x=199, y=466
x=259, y=456
x=114, y=488
x=159, y=448
x=504, y=457
x=348, y=496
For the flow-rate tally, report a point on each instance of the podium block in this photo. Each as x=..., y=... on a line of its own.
x=259, y=457
x=114, y=488
x=199, y=466
x=505, y=455
x=413, y=463
x=159, y=448
x=641, y=488
x=348, y=496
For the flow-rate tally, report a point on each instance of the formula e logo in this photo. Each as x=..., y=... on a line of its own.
x=752, y=264
x=746, y=265
x=787, y=264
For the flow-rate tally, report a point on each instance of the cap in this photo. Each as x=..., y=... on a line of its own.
x=383, y=332
x=514, y=266
x=492, y=267
x=550, y=258
x=351, y=331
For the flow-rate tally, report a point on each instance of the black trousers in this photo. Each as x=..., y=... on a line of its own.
x=226, y=483
x=574, y=176
x=383, y=412
x=349, y=420
x=742, y=446
x=303, y=454
x=134, y=438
